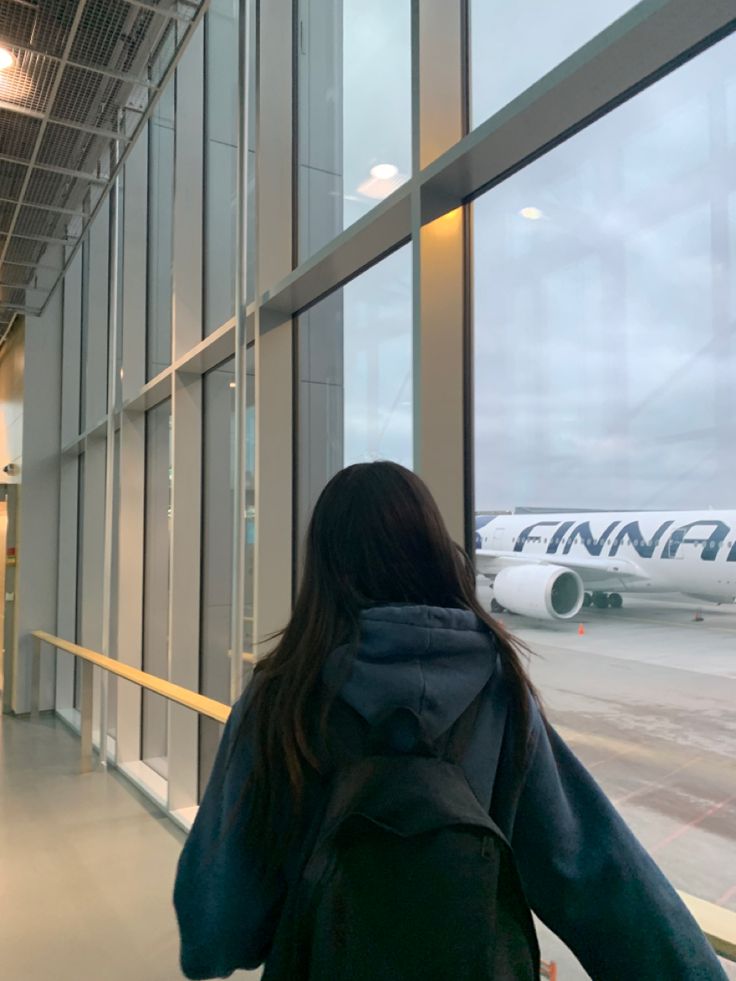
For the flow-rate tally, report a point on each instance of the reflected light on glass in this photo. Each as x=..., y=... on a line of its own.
x=7, y=59
x=232, y=384
x=384, y=172
x=383, y=180
x=532, y=214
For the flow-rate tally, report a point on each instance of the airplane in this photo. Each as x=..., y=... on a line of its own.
x=549, y=566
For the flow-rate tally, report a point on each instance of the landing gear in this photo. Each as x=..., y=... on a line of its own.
x=615, y=601
x=600, y=601
x=587, y=600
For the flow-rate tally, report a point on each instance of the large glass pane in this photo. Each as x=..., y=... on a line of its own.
x=161, y=139
x=605, y=418
x=84, y=335
x=354, y=112
x=156, y=581
x=221, y=162
x=512, y=45
x=355, y=376
x=218, y=462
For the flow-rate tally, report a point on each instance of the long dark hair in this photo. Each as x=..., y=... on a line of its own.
x=376, y=536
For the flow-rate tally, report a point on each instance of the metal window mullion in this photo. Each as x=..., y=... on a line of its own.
x=237, y=605
x=274, y=331
x=438, y=257
x=110, y=471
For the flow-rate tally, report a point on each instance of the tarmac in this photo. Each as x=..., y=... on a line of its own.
x=646, y=698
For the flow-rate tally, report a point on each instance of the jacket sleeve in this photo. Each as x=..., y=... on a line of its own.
x=588, y=878
x=226, y=912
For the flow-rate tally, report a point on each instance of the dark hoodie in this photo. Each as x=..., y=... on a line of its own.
x=584, y=873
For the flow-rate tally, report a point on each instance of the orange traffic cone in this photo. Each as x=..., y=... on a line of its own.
x=581, y=630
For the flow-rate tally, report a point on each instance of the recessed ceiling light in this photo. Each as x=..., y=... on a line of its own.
x=7, y=59
x=384, y=172
x=533, y=214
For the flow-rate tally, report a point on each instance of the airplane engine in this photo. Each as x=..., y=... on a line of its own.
x=547, y=591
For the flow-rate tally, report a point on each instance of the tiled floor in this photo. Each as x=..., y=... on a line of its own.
x=86, y=867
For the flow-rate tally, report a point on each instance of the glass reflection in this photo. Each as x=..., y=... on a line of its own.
x=605, y=355
x=354, y=112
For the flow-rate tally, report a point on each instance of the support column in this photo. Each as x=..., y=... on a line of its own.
x=441, y=420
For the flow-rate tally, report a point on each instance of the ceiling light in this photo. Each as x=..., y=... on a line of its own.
x=533, y=214
x=7, y=59
x=232, y=384
x=384, y=172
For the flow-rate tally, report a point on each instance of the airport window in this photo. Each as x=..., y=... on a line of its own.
x=156, y=580
x=541, y=35
x=354, y=78
x=221, y=162
x=161, y=143
x=218, y=462
x=604, y=364
x=355, y=377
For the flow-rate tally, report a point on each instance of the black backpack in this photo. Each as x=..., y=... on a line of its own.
x=405, y=876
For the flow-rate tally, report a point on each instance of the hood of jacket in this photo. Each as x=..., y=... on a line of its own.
x=424, y=659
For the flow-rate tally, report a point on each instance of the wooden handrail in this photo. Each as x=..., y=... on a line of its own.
x=716, y=922
x=209, y=707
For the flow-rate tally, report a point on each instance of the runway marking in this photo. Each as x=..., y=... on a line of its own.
x=726, y=896
x=613, y=756
x=691, y=824
x=660, y=785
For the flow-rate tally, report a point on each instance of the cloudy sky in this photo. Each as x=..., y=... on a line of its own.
x=605, y=327
x=605, y=324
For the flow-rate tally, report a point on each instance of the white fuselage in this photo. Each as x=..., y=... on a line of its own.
x=692, y=552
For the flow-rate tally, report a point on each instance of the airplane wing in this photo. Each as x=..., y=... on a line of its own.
x=593, y=569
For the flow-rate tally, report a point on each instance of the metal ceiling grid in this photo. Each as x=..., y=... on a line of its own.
x=79, y=68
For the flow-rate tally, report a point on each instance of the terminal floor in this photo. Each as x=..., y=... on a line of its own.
x=645, y=697
x=86, y=867
x=87, y=864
